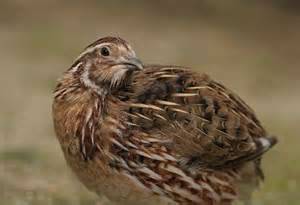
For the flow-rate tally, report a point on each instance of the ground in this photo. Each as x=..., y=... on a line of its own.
x=251, y=48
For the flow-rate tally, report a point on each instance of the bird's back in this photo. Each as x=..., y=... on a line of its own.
x=206, y=121
x=190, y=133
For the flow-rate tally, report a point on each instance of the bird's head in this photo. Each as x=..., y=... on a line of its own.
x=105, y=64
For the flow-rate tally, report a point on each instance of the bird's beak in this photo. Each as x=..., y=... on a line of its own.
x=133, y=63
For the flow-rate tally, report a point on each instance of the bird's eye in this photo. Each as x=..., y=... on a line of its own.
x=104, y=51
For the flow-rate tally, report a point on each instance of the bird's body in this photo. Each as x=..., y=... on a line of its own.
x=158, y=134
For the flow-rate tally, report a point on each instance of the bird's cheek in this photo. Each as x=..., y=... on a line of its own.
x=99, y=72
x=119, y=77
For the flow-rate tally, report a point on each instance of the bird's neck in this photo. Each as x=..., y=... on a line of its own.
x=74, y=102
x=77, y=115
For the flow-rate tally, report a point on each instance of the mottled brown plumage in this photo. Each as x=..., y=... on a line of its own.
x=155, y=134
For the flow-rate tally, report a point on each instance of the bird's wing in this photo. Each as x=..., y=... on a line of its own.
x=207, y=123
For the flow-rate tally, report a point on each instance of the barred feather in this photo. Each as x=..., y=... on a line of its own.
x=164, y=133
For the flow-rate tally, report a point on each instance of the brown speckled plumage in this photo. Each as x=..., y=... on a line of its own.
x=155, y=134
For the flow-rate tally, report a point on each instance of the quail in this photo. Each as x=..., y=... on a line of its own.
x=155, y=134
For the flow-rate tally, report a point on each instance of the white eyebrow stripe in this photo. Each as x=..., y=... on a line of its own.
x=91, y=49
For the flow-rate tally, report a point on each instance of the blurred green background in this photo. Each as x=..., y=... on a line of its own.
x=251, y=46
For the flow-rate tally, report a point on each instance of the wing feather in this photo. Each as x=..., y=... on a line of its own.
x=207, y=123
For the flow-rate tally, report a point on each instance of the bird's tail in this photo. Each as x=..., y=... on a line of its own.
x=266, y=143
